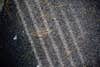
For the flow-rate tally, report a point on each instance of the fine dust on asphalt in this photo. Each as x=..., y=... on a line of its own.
x=52, y=33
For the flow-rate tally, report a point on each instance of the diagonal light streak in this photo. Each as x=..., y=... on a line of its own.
x=62, y=37
x=77, y=20
x=37, y=29
x=27, y=32
x=72, y=35
x=51, y=38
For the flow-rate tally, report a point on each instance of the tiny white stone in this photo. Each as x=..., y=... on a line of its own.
x=37, y=66
x=55, y=19
x=15, y=37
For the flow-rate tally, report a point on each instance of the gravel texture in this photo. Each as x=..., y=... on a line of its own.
x=52, y=33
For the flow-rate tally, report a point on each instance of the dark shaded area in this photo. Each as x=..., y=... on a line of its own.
x=98, y=30
x=14, y=53
x=6, y=59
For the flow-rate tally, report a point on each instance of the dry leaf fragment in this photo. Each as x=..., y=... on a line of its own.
x=42, y=34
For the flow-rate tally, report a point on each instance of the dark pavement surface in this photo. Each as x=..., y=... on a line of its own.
x=51, y=33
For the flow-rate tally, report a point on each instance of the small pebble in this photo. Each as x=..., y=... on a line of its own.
x=15, y=37
x=37, y=66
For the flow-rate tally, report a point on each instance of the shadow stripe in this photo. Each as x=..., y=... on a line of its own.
x=62, y=36
x=27, y=32
x=72, y=36
x=53, y=42
x=41, y=40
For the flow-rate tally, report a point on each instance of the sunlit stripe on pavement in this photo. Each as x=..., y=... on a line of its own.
x=27, y=32
x=37, y=29
x=47, y=27
x=62, y=36
x=72, y=35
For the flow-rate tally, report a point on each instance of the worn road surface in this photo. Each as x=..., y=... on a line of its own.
x=52, y=33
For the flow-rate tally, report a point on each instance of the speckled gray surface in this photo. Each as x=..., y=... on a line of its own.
x=52, y=33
